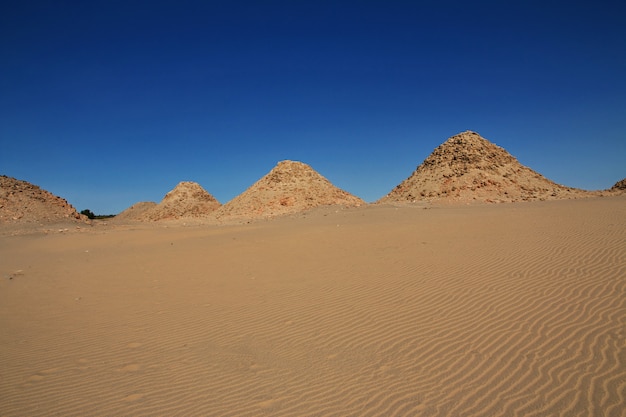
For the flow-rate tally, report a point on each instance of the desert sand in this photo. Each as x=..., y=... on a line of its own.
x=483, y=310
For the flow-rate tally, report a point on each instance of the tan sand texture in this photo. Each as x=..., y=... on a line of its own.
x=483, y=310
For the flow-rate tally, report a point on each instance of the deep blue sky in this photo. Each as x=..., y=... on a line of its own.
x=114, y=102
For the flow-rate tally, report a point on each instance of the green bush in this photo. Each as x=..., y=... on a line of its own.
x=88, y=213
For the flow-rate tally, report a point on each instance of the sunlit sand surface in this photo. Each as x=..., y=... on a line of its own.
x=489, y=310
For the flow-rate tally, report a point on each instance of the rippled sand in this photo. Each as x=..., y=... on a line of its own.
x=495, y=310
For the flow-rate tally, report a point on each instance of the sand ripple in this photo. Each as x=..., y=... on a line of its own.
x=515, y=310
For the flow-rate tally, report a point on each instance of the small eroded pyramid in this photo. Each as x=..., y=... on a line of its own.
x=136, y=211
x=290, y=187
x=187, y=200
x=467, y=167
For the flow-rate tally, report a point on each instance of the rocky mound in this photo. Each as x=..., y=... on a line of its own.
x=187, y=200
x=620, y=186
x=23, y=202
x=290, y=187
x=136, y=211
x=468, y=168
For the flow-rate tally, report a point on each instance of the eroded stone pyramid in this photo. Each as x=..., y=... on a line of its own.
x=289, y=187
x=468, y=168
x=23, y=202
x=187, y=200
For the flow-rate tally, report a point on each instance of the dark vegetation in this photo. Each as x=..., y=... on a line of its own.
x=93, y=216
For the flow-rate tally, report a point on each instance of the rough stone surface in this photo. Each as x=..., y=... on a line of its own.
x=620, y=186
x=187, y=200
x=290, y=187
x=468, y=168
x=136, y=211
x=23, y=202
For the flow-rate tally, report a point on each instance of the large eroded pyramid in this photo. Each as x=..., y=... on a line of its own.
x=187, y=200
x=290, y=187
x=23, y=202
x=468, y=168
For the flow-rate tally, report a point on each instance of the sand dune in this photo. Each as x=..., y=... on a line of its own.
x=507, y=310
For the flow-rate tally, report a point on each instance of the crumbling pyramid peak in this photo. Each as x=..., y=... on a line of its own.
x=465, y=151
x=187, y=200
x=188, y=190
x=469, y=168
x=290, y=187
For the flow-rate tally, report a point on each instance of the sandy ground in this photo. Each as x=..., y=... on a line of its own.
x=496, y=310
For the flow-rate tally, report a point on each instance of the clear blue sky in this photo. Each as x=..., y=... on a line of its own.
x=113, y=102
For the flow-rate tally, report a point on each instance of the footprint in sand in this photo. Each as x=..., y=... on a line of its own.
x=132, y=397
x=40, y=376
x=83, y=364
x=35, y=378
x=130, y=368
x=272, y=402
x=385, y=371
